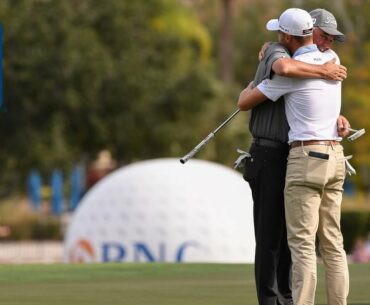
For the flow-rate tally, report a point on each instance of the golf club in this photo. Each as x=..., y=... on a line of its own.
x=184, y=159
x=357, y=133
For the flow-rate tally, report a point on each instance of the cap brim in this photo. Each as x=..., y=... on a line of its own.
x=273, y=25
x=340, y=38
x=338, y=35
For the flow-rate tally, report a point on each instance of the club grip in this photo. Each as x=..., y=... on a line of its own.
x=191, y=154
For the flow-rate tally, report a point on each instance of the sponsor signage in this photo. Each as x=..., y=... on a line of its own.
x=163, y=211
x=84, y=251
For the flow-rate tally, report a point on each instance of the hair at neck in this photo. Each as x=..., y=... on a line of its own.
x=299, y=41
x=303, y=40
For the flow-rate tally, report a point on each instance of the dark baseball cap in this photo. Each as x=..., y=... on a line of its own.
x=326, y=21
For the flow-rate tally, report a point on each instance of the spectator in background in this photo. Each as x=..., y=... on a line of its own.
x=4, y=231
x=102, y=166
x=368, y=243
x=361, y=251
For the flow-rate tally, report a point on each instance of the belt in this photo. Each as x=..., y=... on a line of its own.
x=313, y=142
x=269, y=143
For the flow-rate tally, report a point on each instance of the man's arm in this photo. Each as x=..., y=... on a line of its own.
x=297, y=69
x=250, y=97
x=285, y=66
x=342, y=126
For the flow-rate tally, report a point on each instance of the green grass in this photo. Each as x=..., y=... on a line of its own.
x=148, y=284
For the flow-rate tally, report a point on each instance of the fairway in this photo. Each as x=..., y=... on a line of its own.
x=148, y=284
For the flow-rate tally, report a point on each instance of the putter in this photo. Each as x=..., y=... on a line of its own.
x=185, y=158
x=357, y=133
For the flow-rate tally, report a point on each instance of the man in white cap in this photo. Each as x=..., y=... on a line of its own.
x=315, y=171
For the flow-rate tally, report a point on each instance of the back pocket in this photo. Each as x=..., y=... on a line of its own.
x=316, y=169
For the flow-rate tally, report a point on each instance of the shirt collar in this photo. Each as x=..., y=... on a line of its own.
x=305, y=49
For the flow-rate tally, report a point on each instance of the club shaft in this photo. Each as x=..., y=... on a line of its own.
x=226, y=121
x=184, y=159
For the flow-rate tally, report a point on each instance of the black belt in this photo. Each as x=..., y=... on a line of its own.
x=269, y=143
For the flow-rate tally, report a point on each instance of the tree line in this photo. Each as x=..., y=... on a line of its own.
x=146, y=78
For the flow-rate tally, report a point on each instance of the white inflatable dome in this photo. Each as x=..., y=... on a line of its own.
x=163, y=211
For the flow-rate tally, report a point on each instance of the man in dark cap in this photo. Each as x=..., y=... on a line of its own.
x=325, y=29
x=326, y=21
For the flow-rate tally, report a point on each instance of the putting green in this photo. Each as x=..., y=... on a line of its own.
x=148, y=284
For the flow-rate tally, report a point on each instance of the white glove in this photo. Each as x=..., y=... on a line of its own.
x=349, y=168
x=240, y=161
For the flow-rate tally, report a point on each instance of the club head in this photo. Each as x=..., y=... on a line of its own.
x=357, y=134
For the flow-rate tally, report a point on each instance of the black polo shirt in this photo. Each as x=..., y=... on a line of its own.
x=268, y=119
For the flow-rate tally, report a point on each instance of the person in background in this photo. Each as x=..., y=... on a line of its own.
x=102, y=166
x=360, y=253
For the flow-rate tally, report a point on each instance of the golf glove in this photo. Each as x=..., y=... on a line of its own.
x=239, y=163
x=349, y=168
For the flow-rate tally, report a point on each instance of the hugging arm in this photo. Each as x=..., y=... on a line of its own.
x=294, y=68
x=285, y=66
x=250, y=97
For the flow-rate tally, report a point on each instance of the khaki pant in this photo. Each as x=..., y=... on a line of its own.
x=313, y=195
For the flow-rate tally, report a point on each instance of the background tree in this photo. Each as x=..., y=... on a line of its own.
x=131, y=76
x=143, y=78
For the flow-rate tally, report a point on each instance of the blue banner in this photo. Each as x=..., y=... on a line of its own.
x=57, y=192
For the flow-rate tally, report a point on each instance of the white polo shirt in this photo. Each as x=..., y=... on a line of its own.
x=312, y=106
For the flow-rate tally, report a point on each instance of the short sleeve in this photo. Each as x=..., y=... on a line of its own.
x=276, y=87
x=274, y=52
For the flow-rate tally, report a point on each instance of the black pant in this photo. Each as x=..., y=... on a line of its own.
x=265, y=172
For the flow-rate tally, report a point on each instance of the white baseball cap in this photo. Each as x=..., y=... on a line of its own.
x=293, y=21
